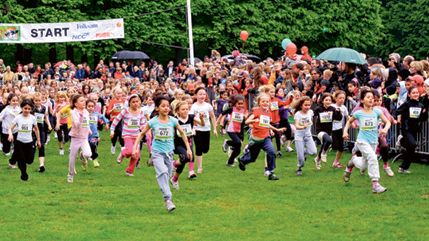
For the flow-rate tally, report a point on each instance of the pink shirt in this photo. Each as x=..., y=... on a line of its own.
x=80, y=124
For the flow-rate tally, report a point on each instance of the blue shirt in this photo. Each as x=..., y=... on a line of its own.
x=368, y=125
x=93, y=123
x=163, y=134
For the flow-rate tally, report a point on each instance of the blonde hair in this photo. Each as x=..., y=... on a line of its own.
x=262, y=95
x=179, y=104
x=61, y=94
x=266, y=88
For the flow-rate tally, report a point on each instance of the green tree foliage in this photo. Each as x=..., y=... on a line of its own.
x=407, y=28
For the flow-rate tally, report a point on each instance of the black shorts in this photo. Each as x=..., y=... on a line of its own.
x=202, y=142
x=337, y=140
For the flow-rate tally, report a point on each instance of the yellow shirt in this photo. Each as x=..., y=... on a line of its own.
x=66, y=110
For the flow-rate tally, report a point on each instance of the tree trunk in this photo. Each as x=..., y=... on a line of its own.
x=19, y=53
x=69, y=53
x=28, y=56
x=52, y=53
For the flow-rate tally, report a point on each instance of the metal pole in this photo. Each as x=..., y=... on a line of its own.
x=191, y=41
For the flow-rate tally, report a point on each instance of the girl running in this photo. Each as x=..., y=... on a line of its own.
x=115, y=107
x=187, y=122
x=7, y=115
x=202, y=132
x=237, y=115
x=43, y=124
x=62, y=127
x=163, y=127
x=133, y=121
x=337, y=127
x=367, y=138
x=304, y=143
x=410, y=115
x=24, y=145
x=94, y=139
x=79, y=135
x=325, y=115
x=260, y=137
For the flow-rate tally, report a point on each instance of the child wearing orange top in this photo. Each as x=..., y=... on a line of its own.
x=260, y=137
x=62, y=127
x=113, y=109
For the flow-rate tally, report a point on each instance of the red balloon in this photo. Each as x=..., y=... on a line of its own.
x=244, y=35
x=291, y=49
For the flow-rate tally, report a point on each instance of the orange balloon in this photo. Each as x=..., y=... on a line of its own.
x=244, y=35
x=291, y=49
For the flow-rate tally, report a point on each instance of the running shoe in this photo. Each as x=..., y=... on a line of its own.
x=69, y=178
x=225, y=146
x=175, y=184
x=41, y=169
x=273, y=177
x=96, y=163
x=169, y=205
x=346, y=176
x=389, y=171
x=317, y=162
x=129, y=174
x=324, y=157
x=61, y=152
x=404, y=171
x=112, y=150
x=289, y=149
x=377, y=188
x=298, y=172
x=84, y=162
x=192, y=175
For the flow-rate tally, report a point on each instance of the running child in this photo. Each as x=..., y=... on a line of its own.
x=133, y=120
x=187, y=122
x=163, y=127
x=24, y=147
x=337, y=127
x=62, y=115
x=202, y=132
x=94, y=139
x=116, y=104
x=43, y=124
x=325, y=115
x=304, y=143
x=367, y=139
x=7, y=115
x=260, y=137
x=237, y=115
x=79, y=135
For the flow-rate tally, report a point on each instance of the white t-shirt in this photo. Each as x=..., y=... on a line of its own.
x=25, y=127
x=305, y=119
x=204, y=108
x=337, y=125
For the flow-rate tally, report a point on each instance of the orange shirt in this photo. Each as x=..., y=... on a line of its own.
x=261, y=129
x=115, y=107
x=274, y=107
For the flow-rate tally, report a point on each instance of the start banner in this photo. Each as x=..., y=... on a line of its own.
x=62, y=32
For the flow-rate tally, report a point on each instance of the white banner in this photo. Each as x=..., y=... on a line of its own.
x=62, y=32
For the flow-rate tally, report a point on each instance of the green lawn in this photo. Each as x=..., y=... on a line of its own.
x=222, y=204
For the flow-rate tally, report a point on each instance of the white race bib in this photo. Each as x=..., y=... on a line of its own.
x=118, y=106
x=325, y=117
x=163, y=133
x=264, y=121
x=85, y=122
x=134, y=123
x=274, y=105
x=39, y=118
x=237, y=117
x=306, y=120
x=187, y=128
x=93, y=119
x=415, y=112
x=25, y=128
x=369, y=124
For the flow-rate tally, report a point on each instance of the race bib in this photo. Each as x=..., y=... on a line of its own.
x=415, y=112
x=118, y=106
x=264, y=121
x=187, y=128
x=325, y=117
x=134, y=123
x=64, y=115
x=93, y=119
x=274, y=105
x=163, y=133
x=237, y=117
x=39, y=118
x=205, y=117
x=85, y=122
x=25, y=128
x=369, y=124
x=306, y=120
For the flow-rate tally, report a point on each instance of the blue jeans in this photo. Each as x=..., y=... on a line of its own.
x=253, y=149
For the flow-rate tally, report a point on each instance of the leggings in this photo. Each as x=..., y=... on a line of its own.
x=117, y=135
x=235, y=143
x=6, y=143
x=383, y=148
x=183, y=157
x=326, y=140
x=304, y=144
x=63, y=133
x=24, y=154
x=94, y=144
x=288, y=133
x=409, y=142
x=128, y=151
x=42, y=134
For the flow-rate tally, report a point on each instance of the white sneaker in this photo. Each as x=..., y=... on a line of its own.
x=129, y=174
x=317, y=162
x=55, y=135
x=61, y=152
x=267, y=173
x=377, y=188
x=389, y=171
x=289, y=149
x=112, y=150
x=174, y=184
x=324, y=157
x=225, y=146
x=69, y=178
x=404, y=171
x=169, y=205
x=192, y=175
x=12, y=166
x=200, y=170
x=7, y=154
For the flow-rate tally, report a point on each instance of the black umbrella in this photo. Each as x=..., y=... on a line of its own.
x=126, y=54
x=252, y=57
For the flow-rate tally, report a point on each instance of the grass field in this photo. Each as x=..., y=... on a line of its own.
x=222, y=204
